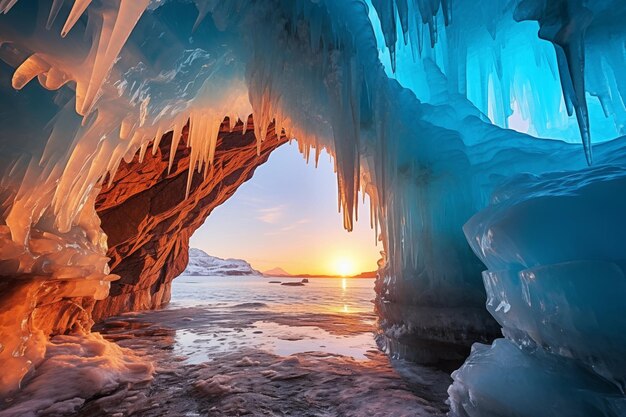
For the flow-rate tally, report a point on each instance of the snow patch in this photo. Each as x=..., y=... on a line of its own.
x=202, y=264
x=77, y=368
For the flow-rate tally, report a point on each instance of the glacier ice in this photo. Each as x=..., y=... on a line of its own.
x=557, y=291
x=413, y=98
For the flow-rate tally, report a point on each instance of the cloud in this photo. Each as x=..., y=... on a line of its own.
x=252, y=201
x=271, y=215
x=288, y=228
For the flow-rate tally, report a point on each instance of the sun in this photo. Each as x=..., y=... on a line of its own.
x=344, y=267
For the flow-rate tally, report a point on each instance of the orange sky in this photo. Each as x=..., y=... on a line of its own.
x=286, y=216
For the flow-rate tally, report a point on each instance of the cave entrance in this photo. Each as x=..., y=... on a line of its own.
x=276, y=256
x=286, y=217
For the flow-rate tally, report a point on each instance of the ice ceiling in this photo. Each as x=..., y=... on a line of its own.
x=412, y=97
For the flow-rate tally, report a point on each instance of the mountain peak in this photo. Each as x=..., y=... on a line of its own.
x=277, y=272
x=203, y=264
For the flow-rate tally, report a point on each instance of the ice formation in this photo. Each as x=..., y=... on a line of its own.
x=558, y=293
x=76, y=368
x=411, y=97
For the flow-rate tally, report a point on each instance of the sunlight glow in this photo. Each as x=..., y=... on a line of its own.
x=286, y=216
x=345, y=267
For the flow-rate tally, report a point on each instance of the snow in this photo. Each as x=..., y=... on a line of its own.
x=77, y=368
x=201, y=264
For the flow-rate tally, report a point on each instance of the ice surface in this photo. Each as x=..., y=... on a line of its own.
x=502, y=380
x=558, y=292
x=77, y=368
x=86, y=84
x=246, y=356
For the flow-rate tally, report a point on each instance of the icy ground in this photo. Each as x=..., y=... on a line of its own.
x=255, y=348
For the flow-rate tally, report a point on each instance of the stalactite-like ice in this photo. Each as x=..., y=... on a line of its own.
x=544, y=56
x=87, y=84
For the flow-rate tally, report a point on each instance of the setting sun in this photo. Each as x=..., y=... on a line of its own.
x=345, y=267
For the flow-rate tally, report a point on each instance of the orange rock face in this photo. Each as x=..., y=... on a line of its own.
x=149, y=221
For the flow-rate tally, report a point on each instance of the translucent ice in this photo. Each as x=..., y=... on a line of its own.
x=85, y=85
x=556, y=284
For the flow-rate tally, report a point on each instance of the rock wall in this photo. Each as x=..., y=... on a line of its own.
x=149, y=221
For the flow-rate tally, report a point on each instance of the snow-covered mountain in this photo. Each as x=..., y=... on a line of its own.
x=276, y=272
x=202, y=264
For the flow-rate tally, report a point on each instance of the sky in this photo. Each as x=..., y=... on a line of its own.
x=286, y=216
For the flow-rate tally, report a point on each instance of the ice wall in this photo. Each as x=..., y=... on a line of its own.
x=512, y=64
x=533, y=61
x=114, y=74
x=554, y=248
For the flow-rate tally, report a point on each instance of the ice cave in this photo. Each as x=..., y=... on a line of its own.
x=487, y=136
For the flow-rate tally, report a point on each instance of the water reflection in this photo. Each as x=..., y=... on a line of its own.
x=290, y=319
x=320, y=295
x=302, y=348
x=209, y=317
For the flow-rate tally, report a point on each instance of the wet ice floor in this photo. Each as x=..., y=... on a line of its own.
x=284, y=340
x=242, y=346
x=327, y=315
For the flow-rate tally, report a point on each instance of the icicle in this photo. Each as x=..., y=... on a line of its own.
x=317, y=155
x=573, y=76
x=54, y=11
x=111, y=41
x=126, y=127
x=176, y=136
x=6, y=5
x=203, y=10
x=78, y=9
x=157, y=140
x=53, y=79
x=213, y=133
x=142, y=151
x=29, y=69
x=189, y=180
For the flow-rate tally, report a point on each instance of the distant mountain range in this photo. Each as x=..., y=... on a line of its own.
x=202, y=264
x=279, y=272
x=276, y=272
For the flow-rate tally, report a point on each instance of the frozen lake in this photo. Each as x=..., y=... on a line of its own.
x=234, y=346
x=331, y=315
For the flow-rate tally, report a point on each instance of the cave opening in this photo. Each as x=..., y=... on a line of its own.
x=278, y=245
x=287, y=216
x=227, y=320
